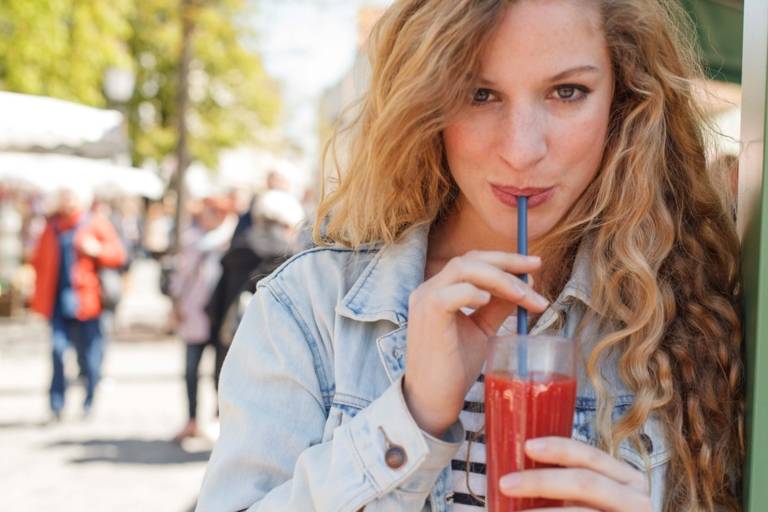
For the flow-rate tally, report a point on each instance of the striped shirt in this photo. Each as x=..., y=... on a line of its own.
x=473, y=418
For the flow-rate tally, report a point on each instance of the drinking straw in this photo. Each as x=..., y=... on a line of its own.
x=522, y=313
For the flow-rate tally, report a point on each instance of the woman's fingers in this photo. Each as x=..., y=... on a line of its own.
x=590, y=477
x=456, y=296
x=489, y=277
x=506, y=261
x=567, y=452
x=576, y=484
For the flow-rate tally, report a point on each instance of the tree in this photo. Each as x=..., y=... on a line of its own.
x=62, y=48
x=231, y=97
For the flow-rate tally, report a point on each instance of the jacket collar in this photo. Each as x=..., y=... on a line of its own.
x=382, y=291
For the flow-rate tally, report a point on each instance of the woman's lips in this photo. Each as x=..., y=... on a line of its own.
x=509, y=195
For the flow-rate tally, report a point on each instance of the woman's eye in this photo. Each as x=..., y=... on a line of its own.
x=482, y=96
x=570, y=92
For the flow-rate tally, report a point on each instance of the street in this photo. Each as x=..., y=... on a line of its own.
x=118, y=459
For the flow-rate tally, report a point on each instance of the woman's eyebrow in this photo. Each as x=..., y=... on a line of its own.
x=574, y=71
x=587, y=68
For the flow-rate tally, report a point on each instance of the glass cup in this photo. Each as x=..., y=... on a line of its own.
x=525, y=401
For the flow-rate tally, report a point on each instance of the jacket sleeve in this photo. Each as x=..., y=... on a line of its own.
x=270, y=455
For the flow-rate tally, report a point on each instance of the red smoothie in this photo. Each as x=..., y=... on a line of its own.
x=515, y=411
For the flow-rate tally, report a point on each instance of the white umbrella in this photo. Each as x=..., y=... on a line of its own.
x=40, y=123
x=49, y=172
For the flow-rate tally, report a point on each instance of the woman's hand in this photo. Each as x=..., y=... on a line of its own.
x=589, y=479
x=91, y=246
x=446, y=348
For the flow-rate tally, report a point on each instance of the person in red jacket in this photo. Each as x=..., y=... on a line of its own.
x=74, y=245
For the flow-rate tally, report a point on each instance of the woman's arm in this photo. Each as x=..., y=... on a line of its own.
x=270, y=455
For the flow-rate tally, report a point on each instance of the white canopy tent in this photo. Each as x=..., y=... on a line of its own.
x=249, y=167
x=49, y=172
x=47, y=143
x=246, y=169
x=42, y=124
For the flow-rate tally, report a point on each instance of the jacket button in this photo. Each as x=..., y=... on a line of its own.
x=395, y=456
x=647, y=443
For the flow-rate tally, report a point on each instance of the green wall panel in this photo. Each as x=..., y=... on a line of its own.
x=755, y=274
x=753, y=222
x=719, y=34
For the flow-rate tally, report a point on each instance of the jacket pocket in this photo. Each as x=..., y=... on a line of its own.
x=656, y=446
x=652, y=434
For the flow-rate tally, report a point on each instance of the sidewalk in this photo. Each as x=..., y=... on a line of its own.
x=120, y=459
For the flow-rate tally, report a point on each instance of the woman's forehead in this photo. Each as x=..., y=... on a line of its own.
x=544, y=38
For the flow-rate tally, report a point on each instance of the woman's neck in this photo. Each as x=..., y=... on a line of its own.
x=462, y=231
x=458, y=233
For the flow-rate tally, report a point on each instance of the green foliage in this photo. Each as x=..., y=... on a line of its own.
x=62, y=48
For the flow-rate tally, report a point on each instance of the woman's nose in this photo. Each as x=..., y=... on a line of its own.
x=522, y=139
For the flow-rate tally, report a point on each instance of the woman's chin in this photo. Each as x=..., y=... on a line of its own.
x=509, y=237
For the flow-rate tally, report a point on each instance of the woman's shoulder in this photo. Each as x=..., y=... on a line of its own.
x=319, y=272
x=372, y=282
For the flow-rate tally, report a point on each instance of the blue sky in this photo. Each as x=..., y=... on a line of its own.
x=307, y=45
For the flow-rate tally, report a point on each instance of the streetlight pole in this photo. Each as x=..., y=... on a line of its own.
x=119, y=84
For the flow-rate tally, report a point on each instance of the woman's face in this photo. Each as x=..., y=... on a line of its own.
x=537, y=120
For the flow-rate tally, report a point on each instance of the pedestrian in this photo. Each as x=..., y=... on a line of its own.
x=346, y=383
x=270, y=239
x=276, y=181
x=197, y=270
x=74, y=245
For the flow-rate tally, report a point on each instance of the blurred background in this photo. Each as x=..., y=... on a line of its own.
x=178, y=144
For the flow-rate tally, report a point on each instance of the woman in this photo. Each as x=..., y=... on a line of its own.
x=196, y=272
x=586, y=107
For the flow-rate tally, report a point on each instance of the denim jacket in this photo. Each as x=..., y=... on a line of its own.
x=311, y=397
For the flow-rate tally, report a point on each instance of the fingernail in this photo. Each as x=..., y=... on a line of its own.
x=510, y=481
x=535, y=445
x=541, y=301
x=534, y=259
